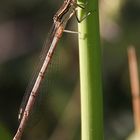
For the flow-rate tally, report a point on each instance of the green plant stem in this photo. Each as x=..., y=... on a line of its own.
x=90, y=72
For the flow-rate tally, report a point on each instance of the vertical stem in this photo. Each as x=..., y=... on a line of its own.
x=133, y=70
x=90, y=72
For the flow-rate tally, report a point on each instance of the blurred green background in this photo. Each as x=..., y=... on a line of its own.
x=24, y=26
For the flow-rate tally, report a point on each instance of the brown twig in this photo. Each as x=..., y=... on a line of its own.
x=134, y=80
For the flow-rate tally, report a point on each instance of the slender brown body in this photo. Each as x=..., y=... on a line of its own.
x=61, y=18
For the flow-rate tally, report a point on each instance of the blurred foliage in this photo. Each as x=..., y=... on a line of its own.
x=23, y=28
x=5, y=134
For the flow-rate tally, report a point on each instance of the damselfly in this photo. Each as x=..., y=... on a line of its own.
x=66, y=11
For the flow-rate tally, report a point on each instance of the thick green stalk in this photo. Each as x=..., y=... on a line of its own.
x=90, y=72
